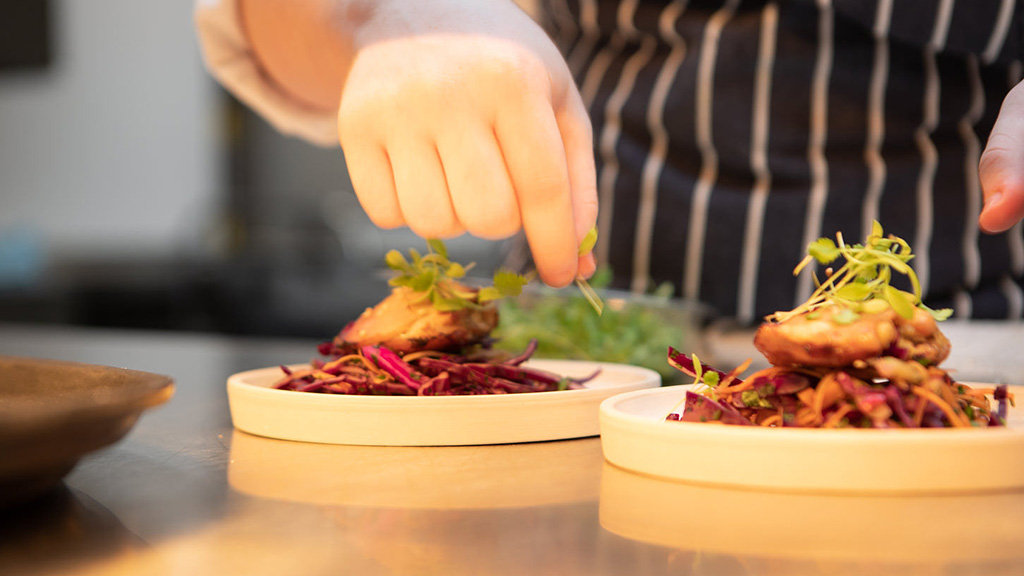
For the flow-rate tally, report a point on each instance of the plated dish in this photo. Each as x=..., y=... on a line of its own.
x=636, y=436
x=855, y=398
x=419, y=369
x=858, y=353
x=259, y=409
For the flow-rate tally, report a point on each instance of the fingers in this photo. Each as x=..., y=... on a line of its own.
x=478, y=183
x=536, y=161
x=1001, y=169
x=370, y=171
x=578, y=140
x=422, y=189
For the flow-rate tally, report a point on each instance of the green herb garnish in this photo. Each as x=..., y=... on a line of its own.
x=862, y=283
x=586, y=245
x=565, y=326
x=436, y=278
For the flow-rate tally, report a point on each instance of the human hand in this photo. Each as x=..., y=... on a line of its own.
x=1002, y=166
x=462, y=116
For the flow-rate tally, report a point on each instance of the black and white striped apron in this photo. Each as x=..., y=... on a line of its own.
x=729, y=134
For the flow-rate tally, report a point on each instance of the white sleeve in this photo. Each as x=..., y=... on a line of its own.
x=230, y=60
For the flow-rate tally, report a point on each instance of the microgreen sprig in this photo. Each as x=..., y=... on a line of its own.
x=862, y=283
x=586, y=245
x=436, y=278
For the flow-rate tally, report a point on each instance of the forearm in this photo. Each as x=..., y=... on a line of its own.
x=305, y=47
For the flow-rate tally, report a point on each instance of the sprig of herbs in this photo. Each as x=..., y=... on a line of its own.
x=436, y=277
x=586, y=245
x=862, y=283
x=630, y=331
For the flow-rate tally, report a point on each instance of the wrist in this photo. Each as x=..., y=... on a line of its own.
x=304, y=46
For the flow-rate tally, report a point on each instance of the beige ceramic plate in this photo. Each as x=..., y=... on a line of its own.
x=635, y=436
x=54, y=412
x=431, y=420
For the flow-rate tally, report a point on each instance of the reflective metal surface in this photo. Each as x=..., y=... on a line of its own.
x=185, y=493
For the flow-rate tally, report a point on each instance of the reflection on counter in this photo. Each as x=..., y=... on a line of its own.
x=59, y=530
x=782, y=533
x=449, y=477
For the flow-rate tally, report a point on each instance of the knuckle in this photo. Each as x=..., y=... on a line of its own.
x=516, y=69
x=992, y=161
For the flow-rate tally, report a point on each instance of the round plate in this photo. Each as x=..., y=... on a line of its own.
x=53, y=412
x=635, y=436
x=431, y=420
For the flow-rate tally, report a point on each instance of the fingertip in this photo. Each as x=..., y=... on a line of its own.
x=989, y=218
x=557, y=278
x=1001, y=212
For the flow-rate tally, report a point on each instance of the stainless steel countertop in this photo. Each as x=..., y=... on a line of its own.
x=185, y=493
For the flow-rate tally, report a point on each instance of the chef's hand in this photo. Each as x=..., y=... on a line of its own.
x=1002, y=166
x=460, y=116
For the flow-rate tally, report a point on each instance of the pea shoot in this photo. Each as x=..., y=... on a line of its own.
x=862, y=283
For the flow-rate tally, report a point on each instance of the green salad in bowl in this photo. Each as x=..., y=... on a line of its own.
x=633, y=328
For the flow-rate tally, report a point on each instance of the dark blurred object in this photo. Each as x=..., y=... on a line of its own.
x=59, y=531
x=53, y=412
x=25, y=34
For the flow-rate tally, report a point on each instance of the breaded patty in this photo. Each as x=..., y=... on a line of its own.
x=824, y=337
x=405, y=322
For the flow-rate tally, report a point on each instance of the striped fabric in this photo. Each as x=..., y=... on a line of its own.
x=731, y=133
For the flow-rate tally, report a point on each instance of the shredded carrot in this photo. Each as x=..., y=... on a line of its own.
x=819, y=402
x=736, y=372
x=728, y=390
x=919, y=411
x=422, y=353
x=954, y=418
x=807, y=417
x=836, y=417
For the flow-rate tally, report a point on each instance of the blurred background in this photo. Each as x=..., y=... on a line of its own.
x=134, y=192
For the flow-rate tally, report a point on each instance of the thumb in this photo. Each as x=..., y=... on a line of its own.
x=1001, y=169
x=578, y=139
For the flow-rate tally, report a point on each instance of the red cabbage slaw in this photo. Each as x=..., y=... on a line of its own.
x=378, y=370
x=782, y=397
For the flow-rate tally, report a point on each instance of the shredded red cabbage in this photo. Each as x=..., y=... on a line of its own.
x=377, y=370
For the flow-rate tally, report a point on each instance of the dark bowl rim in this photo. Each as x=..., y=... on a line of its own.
x=152, y=390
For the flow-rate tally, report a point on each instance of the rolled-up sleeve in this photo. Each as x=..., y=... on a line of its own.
x=230, y=59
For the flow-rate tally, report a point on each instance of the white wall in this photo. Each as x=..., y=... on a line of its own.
x=113, y=150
